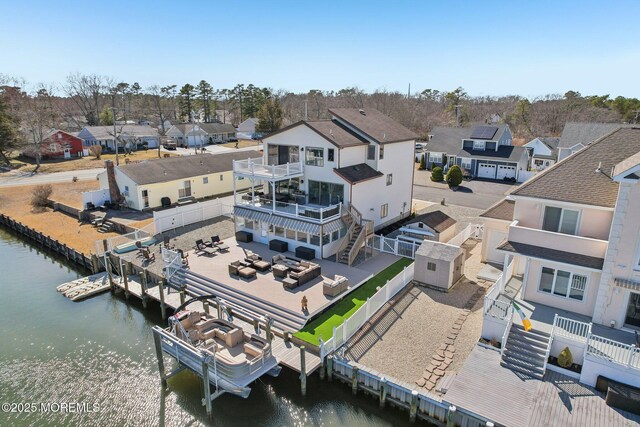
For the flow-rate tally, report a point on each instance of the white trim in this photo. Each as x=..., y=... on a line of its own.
x=553, y=262
x=553, y=285
x=562, y=203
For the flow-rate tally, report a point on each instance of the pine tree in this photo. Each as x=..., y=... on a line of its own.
x=8, y=131
x=270, y=116
x=186, y=102
x=423, y=163
x=204, y=93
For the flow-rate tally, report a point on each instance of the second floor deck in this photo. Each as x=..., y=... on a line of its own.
x=258, y=168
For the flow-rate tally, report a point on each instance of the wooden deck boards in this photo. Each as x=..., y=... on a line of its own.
x=510, y=399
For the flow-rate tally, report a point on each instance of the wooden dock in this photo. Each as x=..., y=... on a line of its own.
x=287, y=353
x=511, y=399
x=85, y=287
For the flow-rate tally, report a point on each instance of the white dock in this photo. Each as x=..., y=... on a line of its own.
x=85, y=287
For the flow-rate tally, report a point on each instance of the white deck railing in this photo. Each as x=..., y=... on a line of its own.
x=351, y=325
x=172, y=262
x=257, y=168
x=295, y=210
x=613, y=351
x=569, y=328
x=507, y=329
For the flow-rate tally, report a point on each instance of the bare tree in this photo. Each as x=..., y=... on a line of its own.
x=89, y=94
x=38, y=117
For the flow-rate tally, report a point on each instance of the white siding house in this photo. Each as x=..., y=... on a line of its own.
x=127, y=135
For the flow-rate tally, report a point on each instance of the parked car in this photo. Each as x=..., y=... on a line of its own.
x=170, y=145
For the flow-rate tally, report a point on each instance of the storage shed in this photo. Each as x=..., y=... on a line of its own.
x=438, y=264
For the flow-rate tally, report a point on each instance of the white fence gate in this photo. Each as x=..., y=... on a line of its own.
x=394, y=246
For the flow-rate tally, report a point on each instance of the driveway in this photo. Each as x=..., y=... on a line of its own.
x=472, y=194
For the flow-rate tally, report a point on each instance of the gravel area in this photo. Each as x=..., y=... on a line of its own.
x=404, y=339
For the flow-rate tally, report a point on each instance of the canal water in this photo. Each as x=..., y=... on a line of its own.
x=98, y=356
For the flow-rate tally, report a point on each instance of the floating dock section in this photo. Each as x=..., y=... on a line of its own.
x=85, y=287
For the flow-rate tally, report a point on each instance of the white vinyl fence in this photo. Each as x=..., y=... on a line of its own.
x=97, y=197
x=394, y=246
x=350, y=326
x=471, y=230
x=180, y=216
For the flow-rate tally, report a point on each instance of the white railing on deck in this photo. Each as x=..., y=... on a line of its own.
x=258, y=168
x=308, y=213
x=492, y=306
x=351, y=325
x=172, y=262
x=613, y=351
x=548, y=350
x=170, y=219
x=394, y=246
x=573, y=329
x=507, y=329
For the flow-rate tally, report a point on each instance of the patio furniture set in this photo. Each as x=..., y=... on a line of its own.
x=248, y=267
x=210, y=248
x=293, y=272
x=145, y=253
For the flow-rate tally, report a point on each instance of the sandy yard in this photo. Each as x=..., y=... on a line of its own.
x=14, y=202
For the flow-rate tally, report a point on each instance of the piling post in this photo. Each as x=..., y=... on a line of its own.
x=219, y=308
x=205, y=306
x=268, y=330
x=451, y=416
x=303, y=372
x=163, y=308
x=207, y=386
x=125, y=278
x=413, y=408
x=163, y=378
x=322, y=368
x=354, y=380
x=143, y=286
x=182, y=297
x=383, y=392
x=94, y=264
x=107, y=263
x=330, y=368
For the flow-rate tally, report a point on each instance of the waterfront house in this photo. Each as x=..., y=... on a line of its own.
x=57, y=143
x=575, y=136
x=484, y=151
x=571, y=246
x=128, y=136
x=201, y=134
x=152, y=183
x=325, y=185
x=543, y=152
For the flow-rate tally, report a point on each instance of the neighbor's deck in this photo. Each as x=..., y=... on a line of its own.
x=511, y=399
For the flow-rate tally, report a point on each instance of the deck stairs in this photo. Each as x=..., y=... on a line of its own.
x=358, y=231
x=525, y=351
x=197, y=285
x=107, y=226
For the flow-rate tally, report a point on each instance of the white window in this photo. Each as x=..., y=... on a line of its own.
x=330, y=154
x=389, y=179
x=381, y=152
x=315, y=156
x=478, y=145
x=466, y=163
x=435, y=157
x=562, y=283
x=384, y=210
x=431, y=266
x=560, y=220
x=205, y=180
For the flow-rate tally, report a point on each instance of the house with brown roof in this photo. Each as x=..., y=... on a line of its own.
x=326, y=185
x=154, y=183
x=569, y=239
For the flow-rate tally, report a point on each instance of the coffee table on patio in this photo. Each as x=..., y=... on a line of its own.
x=280, y=270
x=289, y=283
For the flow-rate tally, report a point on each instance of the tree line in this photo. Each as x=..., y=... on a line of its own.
x=28, y=112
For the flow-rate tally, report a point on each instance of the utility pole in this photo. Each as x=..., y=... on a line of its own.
x=409, y=91
x=306, y=101
x=636, y=119
x=115, y=135
x=457, y=107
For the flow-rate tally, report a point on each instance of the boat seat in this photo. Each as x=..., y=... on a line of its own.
x=211, y=344
x=234, y=337
x=252, y=350
x=201, y=326
x=208, y=335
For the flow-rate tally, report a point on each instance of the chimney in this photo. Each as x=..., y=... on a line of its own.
x=114, y=192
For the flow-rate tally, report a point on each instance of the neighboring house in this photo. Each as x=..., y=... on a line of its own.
x=496, y=221
x=575, y=234
x=543, y=152
x=200, y=134
x=575, y=136
x=248, y=126
x=434, y=225
x=128, y=136
x=58, y=143
x=316, y=178
x=485, y=151
x=143, y=185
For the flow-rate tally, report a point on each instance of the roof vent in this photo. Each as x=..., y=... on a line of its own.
x=599, y=169
x=362, y=112
x=165, y=173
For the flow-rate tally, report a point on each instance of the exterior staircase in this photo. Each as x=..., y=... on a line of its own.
x=525, y=351
x=198, y=285
x=107, y=226
x=357, y=233
x=355, y=236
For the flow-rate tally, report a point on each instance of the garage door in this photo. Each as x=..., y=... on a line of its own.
x=506, y=172
x=486, y=170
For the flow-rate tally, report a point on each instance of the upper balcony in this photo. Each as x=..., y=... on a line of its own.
x=312, y=213
x=256, y=168
x=562, y=242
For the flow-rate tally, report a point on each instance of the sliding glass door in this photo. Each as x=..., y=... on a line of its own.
x=325, y=193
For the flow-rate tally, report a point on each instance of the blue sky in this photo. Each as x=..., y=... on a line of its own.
x=488, y=47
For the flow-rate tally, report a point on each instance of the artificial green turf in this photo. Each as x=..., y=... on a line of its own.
x=323, y=325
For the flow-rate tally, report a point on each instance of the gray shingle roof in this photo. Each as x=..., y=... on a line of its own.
x=377, y=126
x=502, y=210
x=358, y=173
x=449, y=140
x=505, y=152
x=182, y=167
x=552, y=254
x=436, y=220
x=575, y=179
x=106, y=132
x=585, y=133
x=336, y=133
x=438, y=251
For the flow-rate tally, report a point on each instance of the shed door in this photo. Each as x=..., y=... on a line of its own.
x=486, y=170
